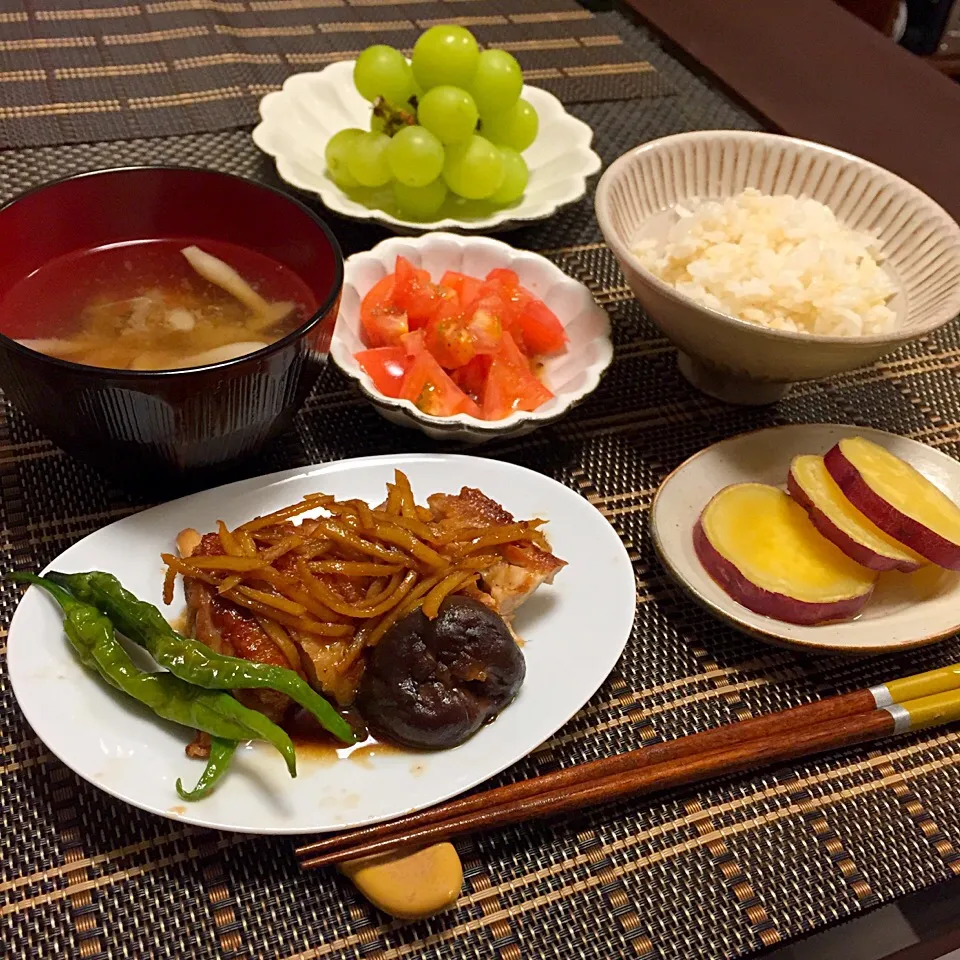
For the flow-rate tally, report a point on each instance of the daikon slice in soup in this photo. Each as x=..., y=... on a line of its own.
x=159, y=304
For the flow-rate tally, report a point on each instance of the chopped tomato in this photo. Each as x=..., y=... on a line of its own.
x=508, y=389
x=486, y=324
x=501, y=392
x=412, y=343
x=382, y=321
x=387, y=366
x=508, y=278
x=466, y=288
x=511, y=384
x=471, y=378
x=448, y=305
x=511, y=352
x=414, y=293
x=453, y=280
x=447, y=301
x=505, y=285
x=459, y=345
x=432, y=391
x=449, y=339
x=539, y=329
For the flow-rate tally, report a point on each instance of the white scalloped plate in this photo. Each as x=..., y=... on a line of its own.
x=571, y=375
x=906, y=610
x=574, y=632
x=298, y=120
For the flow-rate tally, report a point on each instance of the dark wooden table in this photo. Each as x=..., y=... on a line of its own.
x=813, y=70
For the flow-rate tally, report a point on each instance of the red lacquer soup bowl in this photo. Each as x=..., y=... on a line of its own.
x=136, y=425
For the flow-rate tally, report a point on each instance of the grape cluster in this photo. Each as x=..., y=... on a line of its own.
x=450, y=121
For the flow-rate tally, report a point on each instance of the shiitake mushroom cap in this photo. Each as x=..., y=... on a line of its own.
x=431, y=684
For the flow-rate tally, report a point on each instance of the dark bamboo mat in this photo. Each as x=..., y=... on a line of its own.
x=78, y=70
x=715, y=873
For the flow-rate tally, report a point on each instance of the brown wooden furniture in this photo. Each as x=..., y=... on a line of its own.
x=948, y=65
x=815, y=71
x=878, y=13
x=882, y=15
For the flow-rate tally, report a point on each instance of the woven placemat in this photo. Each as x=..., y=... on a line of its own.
x=714, y=873
x=108, y=69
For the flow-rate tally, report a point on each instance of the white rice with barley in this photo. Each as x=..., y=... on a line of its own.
x=781, y=262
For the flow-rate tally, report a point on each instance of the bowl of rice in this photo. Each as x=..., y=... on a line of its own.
x=768, y=260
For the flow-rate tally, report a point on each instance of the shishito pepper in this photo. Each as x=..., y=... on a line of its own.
x=221, y=753
x=191, y=660
x=91, y=634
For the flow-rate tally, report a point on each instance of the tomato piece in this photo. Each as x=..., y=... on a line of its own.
x=412, y=342
x=486, y=324
x=470, y=292
x=450, y=341
x=447, y=300
x=386, y=367
x=466, y=288
x=386, y=329
x=505, y=285
x=382, y=321
x=432, y=391
x=504, y=276
x=471, y=378
x=453, y=280
x=511, y=352
x=414, y=293
x=511, y=385
x=540, y=329
x=531, y=391
x=500, y=394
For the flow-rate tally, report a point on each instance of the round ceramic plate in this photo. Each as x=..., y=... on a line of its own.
x=574, y=632
x=906, y=610
x=297, y=121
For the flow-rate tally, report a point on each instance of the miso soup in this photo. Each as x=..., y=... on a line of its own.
x=156, y=304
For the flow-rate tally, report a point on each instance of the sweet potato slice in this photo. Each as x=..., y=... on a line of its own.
x=810, y=484
x=900, y=500
x=764, y=551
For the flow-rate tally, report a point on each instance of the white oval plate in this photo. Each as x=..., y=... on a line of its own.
x=906, y=610
x=297, y=121
x=574, y=632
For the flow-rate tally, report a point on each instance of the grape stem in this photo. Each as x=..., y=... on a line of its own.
x=395, y=118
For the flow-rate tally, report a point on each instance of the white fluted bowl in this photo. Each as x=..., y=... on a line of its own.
x=742, y=362
x=298, y=120
x=570, y=375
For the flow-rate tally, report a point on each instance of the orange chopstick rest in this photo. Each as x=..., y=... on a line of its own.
x=409, y=885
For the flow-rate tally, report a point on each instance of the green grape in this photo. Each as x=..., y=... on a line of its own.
x=337, y=153
x=382, y=71
x=367, y=159
x=445, y=54
x=474, y=168
x=497, y=83
x=420, y=203
x=378, y=123
x=515, y=128
x=515, y=176
x=448, y=113
x=415, y=156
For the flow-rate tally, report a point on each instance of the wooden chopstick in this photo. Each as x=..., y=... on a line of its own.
x=713, y=739
x=785, y=745
x=828, y=724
